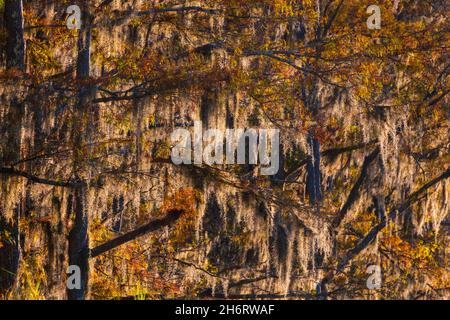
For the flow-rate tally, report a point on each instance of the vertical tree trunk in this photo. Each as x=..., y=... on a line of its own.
x=311, y=101
x=79, y=236
x=15, y=43
x=9, y=222
x=314, y=175
x=79, y=244
x=9, y=252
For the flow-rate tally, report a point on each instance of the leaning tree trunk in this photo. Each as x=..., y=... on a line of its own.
x=9, y=221
x=79, y=236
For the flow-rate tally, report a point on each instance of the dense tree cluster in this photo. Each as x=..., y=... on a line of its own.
x=86, y=177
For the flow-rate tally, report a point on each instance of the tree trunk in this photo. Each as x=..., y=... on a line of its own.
x=79, y=235
x=313, y=176
x=15, y=43
x=9, y=223
x=79, y=244
x=9, y=252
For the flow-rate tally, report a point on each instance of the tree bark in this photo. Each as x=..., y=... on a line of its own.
x=15, y=59
x=79, y=234
x=79, y=244
x=9, y=252
x=156, y=224
x=314, y=175
x=15, y=43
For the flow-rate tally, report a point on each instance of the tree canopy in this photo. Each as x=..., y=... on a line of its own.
x=86, y=177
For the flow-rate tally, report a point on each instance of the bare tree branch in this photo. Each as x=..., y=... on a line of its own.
x=370, y=237
x=354, y=193
x=35, y=179
x=153, y=225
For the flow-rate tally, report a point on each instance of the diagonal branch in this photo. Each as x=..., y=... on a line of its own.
x=153, y=225
x=354, y=193
x=330, y=153
x=371, y=236
x=331, y=19
x=35, y=179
